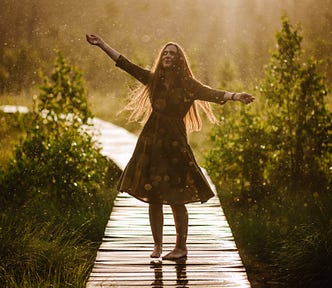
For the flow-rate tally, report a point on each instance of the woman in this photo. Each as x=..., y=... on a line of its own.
x=163, y=169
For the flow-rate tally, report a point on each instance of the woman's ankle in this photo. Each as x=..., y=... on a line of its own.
x=157, y=250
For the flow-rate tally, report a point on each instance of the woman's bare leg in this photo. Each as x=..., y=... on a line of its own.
x=156, y=217
x=180, y=215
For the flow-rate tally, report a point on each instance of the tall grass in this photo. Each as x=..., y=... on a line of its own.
x=34, y=255
x=42, y=245
x=284, y=241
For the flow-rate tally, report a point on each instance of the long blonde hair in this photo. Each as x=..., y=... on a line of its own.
x=140, y=103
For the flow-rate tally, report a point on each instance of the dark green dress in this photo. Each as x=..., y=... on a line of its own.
x=162, y=168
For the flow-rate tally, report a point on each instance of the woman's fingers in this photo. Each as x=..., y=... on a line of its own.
x=92, y=39
x=246, y=98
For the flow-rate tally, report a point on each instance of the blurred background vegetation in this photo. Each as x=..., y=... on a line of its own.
x=271, y=160
x=225, y=40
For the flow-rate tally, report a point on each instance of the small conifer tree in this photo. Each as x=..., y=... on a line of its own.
x=58, y=160
x=283, y=146
x=297, y=118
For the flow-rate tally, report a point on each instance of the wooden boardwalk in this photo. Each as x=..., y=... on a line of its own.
x=123, y=258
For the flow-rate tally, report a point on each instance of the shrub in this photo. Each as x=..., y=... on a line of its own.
x=58, y=159
x=285, y=146
x=272, y=169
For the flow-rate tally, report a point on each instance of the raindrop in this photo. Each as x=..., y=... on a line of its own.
x=166, y=178
x=146, y=38
x=147, y=187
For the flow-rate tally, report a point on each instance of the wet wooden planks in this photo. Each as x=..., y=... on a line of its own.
x=123, y=258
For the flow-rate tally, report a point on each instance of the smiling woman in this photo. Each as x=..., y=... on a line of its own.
x=169, y=55
x=163, y=169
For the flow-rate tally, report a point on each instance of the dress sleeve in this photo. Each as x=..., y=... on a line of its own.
x=206, y=93
x=134, y=70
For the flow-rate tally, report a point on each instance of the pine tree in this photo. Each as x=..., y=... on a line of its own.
x=298, y=119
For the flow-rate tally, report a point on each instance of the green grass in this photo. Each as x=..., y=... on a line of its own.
x=40, y=246
x=36, y=260
x=284, y=242
x=43, y=247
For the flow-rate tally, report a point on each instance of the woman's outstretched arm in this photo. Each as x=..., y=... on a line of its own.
x=98, y=41
x=134, y=70
x=206, y=93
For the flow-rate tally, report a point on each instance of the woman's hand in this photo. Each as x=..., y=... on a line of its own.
x=94, y=40
x=244, y=97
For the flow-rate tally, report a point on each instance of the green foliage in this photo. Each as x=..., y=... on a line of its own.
x=272, y=168
x=54, y=193
x=62, y=100
x=298, y=119
x=285, y=146
x=58, y=158
x=237, y=160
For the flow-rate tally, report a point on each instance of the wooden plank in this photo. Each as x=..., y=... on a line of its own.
x=102, y=268
x=123, y=257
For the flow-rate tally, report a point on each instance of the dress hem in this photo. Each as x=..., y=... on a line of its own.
x=167, y=203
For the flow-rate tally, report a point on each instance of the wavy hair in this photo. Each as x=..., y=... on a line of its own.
x=140, y=103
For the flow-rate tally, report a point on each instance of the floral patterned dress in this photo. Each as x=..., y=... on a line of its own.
x=162, y=168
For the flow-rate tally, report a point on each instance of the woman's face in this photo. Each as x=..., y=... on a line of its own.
x=168, y=56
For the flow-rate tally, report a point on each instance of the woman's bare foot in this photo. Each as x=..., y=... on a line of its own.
x=157, y=250
x=176, y=254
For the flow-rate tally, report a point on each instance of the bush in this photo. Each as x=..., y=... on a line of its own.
x=285, y=146
x=58, y=159
x=272, y=169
